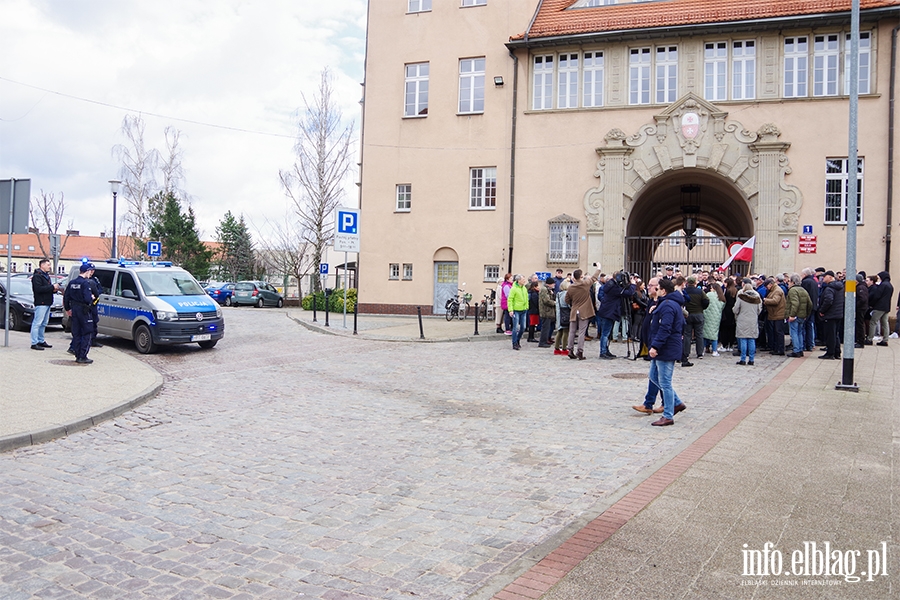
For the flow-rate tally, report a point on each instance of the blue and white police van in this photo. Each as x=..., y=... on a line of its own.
x=155, y=304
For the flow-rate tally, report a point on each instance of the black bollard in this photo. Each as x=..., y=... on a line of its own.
x=326, y=307
x=355, y=313
x=476, y=319
x=421, y=331
x=315, y=301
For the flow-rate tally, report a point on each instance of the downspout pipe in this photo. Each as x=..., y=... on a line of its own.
x=890, y=163
x=512, y=162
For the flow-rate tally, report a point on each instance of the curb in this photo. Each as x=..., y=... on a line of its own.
x=39, y=436
x=486, y=337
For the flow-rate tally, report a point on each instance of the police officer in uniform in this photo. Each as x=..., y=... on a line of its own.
x=78, y=301
x=96, y=290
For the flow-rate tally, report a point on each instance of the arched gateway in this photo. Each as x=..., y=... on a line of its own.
x=733, y=179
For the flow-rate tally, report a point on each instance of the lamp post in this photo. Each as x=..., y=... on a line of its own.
x=114, y=186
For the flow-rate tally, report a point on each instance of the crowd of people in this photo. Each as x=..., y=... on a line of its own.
x=716, y=313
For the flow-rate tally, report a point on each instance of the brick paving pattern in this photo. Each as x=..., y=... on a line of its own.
x=286, y=462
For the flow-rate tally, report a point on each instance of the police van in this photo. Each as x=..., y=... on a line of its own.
x=154, y=304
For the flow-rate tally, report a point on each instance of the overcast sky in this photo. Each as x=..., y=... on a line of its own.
x=71, y=70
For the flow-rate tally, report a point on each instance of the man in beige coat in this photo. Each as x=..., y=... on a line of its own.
x=775, y=306
x=579, y=298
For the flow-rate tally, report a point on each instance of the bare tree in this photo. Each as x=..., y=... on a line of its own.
x=137, y=173
x=47, y=213
x=287, y=252
x=172, y=172
x=314, y=184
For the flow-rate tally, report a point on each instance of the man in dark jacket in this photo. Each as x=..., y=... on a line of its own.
x=880, y=303
x=831, y=311
x=610, y=310
x=78, y=301
x=547, y=311
x=666, y=326
x=43, y=290
x=811, y=286
x=695, y=302
x=862, y=307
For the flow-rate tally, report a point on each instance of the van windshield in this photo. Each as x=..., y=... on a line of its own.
x=169, y=283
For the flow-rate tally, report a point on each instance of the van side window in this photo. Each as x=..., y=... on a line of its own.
x=126, y=282
x=106, y=279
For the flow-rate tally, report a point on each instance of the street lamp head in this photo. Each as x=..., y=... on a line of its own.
x=114, y=185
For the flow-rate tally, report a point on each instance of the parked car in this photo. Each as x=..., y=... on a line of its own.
x=256, y=293
x=221, y=292
x=21, y=302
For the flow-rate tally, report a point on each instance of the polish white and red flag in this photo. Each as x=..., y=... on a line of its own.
x=742, y=252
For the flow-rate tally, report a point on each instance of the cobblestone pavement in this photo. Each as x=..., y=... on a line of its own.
x=286, y=464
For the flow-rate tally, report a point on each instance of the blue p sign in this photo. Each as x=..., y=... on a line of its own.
x=323, y=269
x=154, y=249
x=347, y=222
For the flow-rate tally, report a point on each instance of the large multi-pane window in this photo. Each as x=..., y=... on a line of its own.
x=715, y=70
x=567, y=76
x=543, y=82
x=416, y=96
x=404, y=197
x=471, y=85
x=666, y=74
x=639, y=76
x=837, y=190
x=826, y=52
x=419, y=6
x=743, y=61
x=796, y=60
x=491, y=273
x=592, y=76
x=865, y=59
x=482, y=187
x=563, y=242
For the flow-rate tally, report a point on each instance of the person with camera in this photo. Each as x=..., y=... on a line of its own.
x=620, y=286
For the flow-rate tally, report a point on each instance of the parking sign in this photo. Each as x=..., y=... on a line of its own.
x=346, y=237
x=154, y=248
x=323, y=269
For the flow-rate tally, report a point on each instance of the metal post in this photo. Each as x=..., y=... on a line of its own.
x=314, y=303
x=421, y=331
x=326, y=308
x=12, y=200
x=847, y=382
x=476, y=318
x=355, y=311
x=345, y=290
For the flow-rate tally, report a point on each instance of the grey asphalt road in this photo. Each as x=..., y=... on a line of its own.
x=286, y=463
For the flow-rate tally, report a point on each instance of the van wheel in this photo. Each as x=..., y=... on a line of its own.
x=207, y=344
x=260, y=303
x=143, y=341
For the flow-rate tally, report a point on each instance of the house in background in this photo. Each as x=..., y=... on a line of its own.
x=522, y=136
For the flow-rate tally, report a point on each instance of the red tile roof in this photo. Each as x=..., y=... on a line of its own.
x=554, y=20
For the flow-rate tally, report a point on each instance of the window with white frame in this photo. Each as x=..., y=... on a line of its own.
x=394, y=271
x=482, y=187
x=471, y=85
x=826, y=52
x=474, y=2
x=415, y=6
x=715, y=63
x=416, y=96
x=543, y=82
x=666, y=74
x=865, y=61
x=61, y=269
x=589, y=3
x=563, y=242
x=491, y=273
x=743, y=63
x=567, y=74
x=31, y=248
x=404, y=197
x=639, y=76
x=28, y=267
x=837, y=190
x=796, y=59
x=592, y=74
x=407, y=271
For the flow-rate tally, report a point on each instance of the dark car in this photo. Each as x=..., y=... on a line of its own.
x=256, y=293
x=21, y=303
x=221, y=292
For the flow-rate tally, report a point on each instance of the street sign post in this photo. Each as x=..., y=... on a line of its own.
x=346, y=239
x=14, y=198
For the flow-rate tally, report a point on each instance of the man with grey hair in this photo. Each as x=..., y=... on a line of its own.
x=799, y=310
x=809, y=283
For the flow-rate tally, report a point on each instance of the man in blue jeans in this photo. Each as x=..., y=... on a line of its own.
x=666, y=327
x=799, y=309
x=43, y=290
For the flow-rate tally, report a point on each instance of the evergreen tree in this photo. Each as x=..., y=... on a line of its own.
x=236, y=258
x=180, y=239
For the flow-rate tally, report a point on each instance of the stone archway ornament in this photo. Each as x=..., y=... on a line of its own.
x=694, y=134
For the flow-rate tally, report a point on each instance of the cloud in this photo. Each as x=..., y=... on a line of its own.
x=238, y=64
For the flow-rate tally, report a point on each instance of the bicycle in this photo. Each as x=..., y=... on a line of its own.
x=458, y=309
x=486, y=306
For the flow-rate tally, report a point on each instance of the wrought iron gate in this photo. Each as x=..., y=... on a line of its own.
x=648, y=255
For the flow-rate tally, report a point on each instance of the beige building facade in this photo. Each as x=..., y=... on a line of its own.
x=511, y=135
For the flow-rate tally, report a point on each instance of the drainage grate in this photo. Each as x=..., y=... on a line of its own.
x=630, y=375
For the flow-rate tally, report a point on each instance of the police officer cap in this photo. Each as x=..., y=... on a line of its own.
x=85, y=267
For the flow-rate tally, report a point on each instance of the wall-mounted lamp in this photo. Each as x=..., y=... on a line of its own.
x=498, y=81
